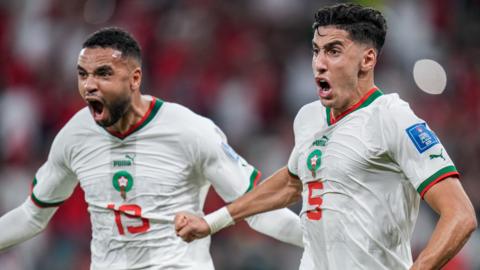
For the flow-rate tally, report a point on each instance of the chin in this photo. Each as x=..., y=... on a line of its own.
x=105, y=123
x=326, y=102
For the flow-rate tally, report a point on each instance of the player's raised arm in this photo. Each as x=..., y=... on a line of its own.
x=54, y=183
x=456, y=224
x=278, y=191
x=23, y=223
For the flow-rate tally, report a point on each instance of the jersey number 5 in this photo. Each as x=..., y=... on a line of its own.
x=132, y=211
x=315, y=214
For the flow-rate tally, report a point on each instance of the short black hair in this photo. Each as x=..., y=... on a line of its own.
x=115, y=38
x=363, y=24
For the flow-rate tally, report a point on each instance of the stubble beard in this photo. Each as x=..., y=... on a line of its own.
x=116, y=110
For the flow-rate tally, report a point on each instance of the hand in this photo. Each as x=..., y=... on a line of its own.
x=190, y=227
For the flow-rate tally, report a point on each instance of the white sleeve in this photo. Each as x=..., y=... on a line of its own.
x=232, y=176
x=54, y=182
x=415, y=148
x=301, y=130
x=281, y=224
x=229, y=173
x=292, y=164
x=23, y=223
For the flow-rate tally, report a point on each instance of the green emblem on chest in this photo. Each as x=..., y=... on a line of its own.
x=123, y=182
x=314, y=161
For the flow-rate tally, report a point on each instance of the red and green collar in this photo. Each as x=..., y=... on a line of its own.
x=366, y=100
x=149, y=115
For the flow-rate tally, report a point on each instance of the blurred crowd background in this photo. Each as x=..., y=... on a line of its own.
x=245, y=64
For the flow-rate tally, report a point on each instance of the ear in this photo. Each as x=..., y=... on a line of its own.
x=369, y=59
x=136, y=79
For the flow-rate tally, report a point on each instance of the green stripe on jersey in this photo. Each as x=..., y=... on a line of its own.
x=377, y=93
x=44, y=204
x=371, y=98
x=253, y=177
x=152, y=114
x=435, y=176
x=39, y=202
x=329, y=118
x=292, y=174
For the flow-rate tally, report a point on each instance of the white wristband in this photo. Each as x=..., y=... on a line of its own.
x=219, y=219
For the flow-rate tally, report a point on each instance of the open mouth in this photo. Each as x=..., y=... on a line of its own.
x=324, y=88
x=97, y=108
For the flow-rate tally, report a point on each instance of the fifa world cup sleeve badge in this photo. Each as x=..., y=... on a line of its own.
x=123, y=182
x=314, y=161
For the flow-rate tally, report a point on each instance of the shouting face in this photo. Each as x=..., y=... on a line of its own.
x=104, y=82
x=339, y=65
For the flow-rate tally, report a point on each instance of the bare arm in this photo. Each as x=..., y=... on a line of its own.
x=277, y=191
x=456, y=224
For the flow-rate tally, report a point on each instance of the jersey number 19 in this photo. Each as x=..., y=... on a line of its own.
x=132, y=211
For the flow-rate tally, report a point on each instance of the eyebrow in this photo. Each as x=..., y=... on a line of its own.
x=333, y=44
x=103, y=68
x=328, y=45
x=98, y=69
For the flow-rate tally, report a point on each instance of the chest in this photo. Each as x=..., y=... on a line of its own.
x=338, y=152
x=139, y=167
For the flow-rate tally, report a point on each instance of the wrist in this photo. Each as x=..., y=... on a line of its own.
x=422, y=262
x=219, y=219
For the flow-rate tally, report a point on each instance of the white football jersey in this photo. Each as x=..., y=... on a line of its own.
x=363, y=176
x=135, y=183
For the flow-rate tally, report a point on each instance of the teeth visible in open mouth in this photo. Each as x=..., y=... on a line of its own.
x=97, y=106
x=324, y=85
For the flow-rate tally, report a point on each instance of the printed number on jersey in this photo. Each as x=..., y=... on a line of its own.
x=130, y=211
x=315, y=200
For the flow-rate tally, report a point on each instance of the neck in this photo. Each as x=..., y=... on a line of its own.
x=364, y=85
x=136, y=111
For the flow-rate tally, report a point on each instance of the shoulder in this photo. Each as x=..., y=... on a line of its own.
x=309, y=109
x=188, y=124
x=183, y=117
x=177, y=111
x=81, y=124
x=394, y=119
x=81, y=118
x=392, y=104
x=309, y=117
x=79, y=128
x=393, y=110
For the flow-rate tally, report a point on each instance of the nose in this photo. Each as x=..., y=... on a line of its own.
x=90, y=84
x=319, y=64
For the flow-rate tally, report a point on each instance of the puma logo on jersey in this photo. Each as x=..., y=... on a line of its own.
x=130, y=159
x=437, y=156
x=122, y=163
x=321, y=142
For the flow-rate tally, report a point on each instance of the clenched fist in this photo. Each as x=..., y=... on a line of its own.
x=190, y=227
